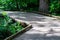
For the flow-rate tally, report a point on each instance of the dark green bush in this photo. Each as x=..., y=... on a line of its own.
x=8, y=26
x=55, y=7
x=18, y=4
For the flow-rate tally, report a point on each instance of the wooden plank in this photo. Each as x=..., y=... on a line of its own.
x=20, y=32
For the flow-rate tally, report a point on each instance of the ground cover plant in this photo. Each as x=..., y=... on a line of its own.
x=8, y=26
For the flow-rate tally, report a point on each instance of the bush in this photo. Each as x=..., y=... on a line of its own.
x=55, y=7
x=16, y=5
x=8, y=26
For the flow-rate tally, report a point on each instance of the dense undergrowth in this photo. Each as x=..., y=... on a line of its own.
x=8, y=26
x=55, y=7
x=17, y=5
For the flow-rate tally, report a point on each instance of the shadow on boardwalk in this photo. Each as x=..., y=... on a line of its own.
x=36, y=37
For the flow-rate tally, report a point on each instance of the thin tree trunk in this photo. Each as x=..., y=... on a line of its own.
x=43, y=5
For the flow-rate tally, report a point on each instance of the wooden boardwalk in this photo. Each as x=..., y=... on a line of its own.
x=44, y=27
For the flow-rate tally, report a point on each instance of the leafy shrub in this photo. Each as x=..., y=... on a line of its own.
x=55, y=7
x=17, y=4
x=8, y=26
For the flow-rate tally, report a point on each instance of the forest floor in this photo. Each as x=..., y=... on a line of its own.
x=44, y=27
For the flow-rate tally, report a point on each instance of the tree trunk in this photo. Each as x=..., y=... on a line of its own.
x=17, y=5
x=43, y=5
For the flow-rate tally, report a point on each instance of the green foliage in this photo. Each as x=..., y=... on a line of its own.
x=8, y=26
x=18, y=4
x=55, y=7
